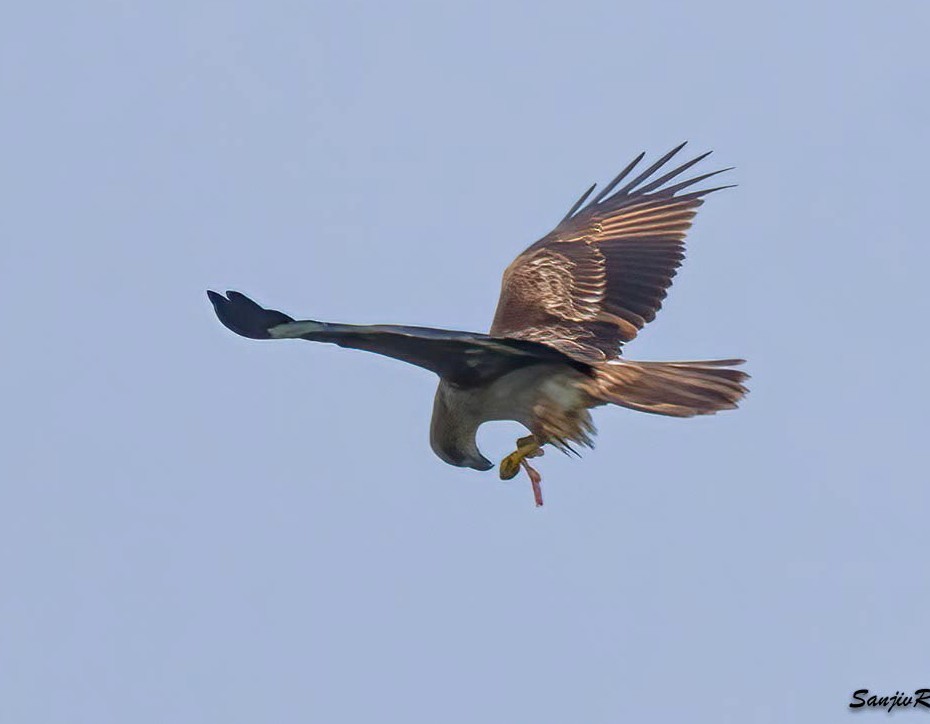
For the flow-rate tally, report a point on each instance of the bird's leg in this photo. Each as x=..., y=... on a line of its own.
x=527, y=447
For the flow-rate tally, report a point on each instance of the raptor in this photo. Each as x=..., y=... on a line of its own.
x=567, y=305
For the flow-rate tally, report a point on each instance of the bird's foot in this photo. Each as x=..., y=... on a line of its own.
x=527, y=447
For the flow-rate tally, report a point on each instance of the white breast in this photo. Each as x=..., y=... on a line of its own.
x=515, y=395
x=520, y=396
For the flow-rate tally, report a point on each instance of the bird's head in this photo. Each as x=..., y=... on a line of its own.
x=464, y=459
x=453, y=428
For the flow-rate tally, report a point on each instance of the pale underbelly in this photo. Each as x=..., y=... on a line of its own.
x=545, y=399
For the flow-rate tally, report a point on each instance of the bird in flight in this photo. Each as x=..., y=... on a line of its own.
x=567, y=305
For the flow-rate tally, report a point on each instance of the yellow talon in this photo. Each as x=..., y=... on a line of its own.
x=510, y=465
x=527, y=447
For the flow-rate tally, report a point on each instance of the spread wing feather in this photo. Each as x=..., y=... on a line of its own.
x=600, y=276
x=463, y=358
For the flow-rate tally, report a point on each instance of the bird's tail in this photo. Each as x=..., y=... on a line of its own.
x=678, y=389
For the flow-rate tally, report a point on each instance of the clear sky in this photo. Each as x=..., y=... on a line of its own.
x=196, y=527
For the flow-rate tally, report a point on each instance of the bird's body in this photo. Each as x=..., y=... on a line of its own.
x=567, y=304
x=522, y=396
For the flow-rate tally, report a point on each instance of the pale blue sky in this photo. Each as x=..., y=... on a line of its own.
x=195, y=527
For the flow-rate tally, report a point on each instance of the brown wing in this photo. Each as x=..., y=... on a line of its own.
x=594, y=281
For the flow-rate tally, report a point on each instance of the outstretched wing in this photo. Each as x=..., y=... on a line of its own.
x=594, y=281
x=463, y=358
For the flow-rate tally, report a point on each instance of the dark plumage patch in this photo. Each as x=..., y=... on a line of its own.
x=245, y=317
x=466, y=359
